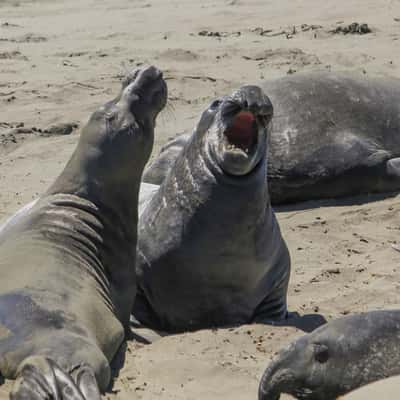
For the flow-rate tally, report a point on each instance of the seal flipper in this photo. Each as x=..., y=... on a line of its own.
x=143, y=314
x=393, y=167
x=271, y=311
x=40, y=378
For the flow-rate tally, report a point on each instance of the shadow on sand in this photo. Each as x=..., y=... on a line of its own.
x=306, y=323
x=342, y=202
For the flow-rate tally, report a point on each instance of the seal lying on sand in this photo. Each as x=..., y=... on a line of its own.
x=333, y=135
x=210, y=251
x=336, y=358
x=67, y=264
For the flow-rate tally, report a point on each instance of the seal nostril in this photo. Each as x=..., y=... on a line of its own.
x=321, y=353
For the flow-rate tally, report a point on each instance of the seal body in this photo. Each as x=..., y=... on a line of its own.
x=210, y=251
x=157, y=170
x=333, y=135
x=336, y=358
x=66, y=261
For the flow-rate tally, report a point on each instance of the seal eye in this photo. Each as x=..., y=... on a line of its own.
x=321, y=353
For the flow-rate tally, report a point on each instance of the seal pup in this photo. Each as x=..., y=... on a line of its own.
x=333, y=135
x=210, y=251
x=67, y=263
x=336, y=358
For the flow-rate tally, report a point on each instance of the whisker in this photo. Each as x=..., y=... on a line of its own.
x=168, y=113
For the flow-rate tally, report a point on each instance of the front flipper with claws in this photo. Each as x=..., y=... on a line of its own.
x=40, y=378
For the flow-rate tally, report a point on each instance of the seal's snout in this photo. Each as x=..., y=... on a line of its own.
x=241, y=122
x=140, y=75
x=253, y=99
x=267, y=389
x=245, y=112
x=145, y=91
x=147, y=75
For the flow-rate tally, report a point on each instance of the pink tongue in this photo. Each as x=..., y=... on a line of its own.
x=243, y=132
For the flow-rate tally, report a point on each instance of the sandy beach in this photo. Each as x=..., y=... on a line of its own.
x=60, y=60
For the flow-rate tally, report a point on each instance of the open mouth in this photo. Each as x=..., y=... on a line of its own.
x=242, y=132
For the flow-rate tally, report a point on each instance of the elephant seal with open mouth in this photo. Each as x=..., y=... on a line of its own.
x=210, y=251
x=333, y=135
x=67, y=262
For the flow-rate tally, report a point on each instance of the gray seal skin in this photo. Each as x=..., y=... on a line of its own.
x=333, y=135
x=146, y=192
x=67, y=263
x=156, y=171
x=336, y=358
x=210, y=251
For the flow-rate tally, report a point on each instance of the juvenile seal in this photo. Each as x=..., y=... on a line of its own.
x=210, y=251
x=334, y=134
x=336, y=358
x=67, y=263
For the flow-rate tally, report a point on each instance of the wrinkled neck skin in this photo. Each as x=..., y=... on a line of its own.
x=116, y=192
x=251, y=197
x=98, y=197
x=196, y=180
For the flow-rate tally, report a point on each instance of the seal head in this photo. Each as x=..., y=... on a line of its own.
x=336, y=358
x=236, y=129
x=125, y=124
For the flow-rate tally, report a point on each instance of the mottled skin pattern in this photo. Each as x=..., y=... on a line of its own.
x=333, y=135
x=336, y=358
x=67, y=263
x=210, y=251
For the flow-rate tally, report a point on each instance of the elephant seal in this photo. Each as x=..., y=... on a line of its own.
x=210, y=251
x=67, y=263
x=336, y=358
x=333, y=135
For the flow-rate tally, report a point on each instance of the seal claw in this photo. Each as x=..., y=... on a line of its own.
x=40, y=378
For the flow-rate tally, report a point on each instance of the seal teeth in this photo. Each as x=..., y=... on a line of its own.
x=231, y=146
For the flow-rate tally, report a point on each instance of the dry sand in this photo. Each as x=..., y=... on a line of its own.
x=60, y=59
